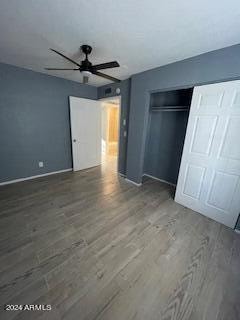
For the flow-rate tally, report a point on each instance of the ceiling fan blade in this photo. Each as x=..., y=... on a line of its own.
x=62, y=55
x=106, y=76
x=107, y=65
x=59, y=69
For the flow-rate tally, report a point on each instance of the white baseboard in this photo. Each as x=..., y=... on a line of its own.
x=121, y=174
x=161, y=180
x=34, y=177
x=136, y=184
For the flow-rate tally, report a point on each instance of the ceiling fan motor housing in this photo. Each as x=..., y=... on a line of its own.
x=86, y=65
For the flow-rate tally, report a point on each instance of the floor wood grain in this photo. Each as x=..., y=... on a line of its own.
x=96, y=247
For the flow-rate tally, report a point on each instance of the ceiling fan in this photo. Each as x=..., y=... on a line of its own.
x=86, y=67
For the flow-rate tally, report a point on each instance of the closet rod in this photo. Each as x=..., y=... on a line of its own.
x=169, y=110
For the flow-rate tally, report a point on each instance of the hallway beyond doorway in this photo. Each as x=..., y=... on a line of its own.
x=110, y=129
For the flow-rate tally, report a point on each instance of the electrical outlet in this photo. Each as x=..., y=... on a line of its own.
x=40, y=164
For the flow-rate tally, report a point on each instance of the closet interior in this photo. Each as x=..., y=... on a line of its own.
x=167, y=124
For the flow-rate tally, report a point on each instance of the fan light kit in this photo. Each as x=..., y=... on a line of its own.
x=86, y=67
x=86, y=73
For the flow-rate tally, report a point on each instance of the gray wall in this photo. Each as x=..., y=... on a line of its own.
x=220, y=65
x=165, y=139
x=34, y=121
x=125, y=87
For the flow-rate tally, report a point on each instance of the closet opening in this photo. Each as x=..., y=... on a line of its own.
x=167, y=124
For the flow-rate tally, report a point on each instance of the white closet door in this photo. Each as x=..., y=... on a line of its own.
x=209, y=177
x=86, y=132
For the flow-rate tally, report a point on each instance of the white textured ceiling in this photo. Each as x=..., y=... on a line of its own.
x=140, y=34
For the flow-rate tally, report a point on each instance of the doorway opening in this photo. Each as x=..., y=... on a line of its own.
x=110, y=131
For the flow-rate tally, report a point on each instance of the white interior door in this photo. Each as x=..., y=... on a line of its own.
x=86, y=132
x=209, y=177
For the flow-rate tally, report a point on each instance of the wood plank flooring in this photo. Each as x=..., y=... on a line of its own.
x=96, y=247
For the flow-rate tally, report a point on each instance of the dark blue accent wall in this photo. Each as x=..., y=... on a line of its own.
x=215, y=66
x=110, y=91
x=34, y=121
x=166, y=134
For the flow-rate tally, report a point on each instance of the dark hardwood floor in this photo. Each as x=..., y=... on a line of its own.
x=96, y=247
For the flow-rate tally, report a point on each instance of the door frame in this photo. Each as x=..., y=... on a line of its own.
x=119, y=121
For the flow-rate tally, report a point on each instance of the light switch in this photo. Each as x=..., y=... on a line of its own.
x=40, y=164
